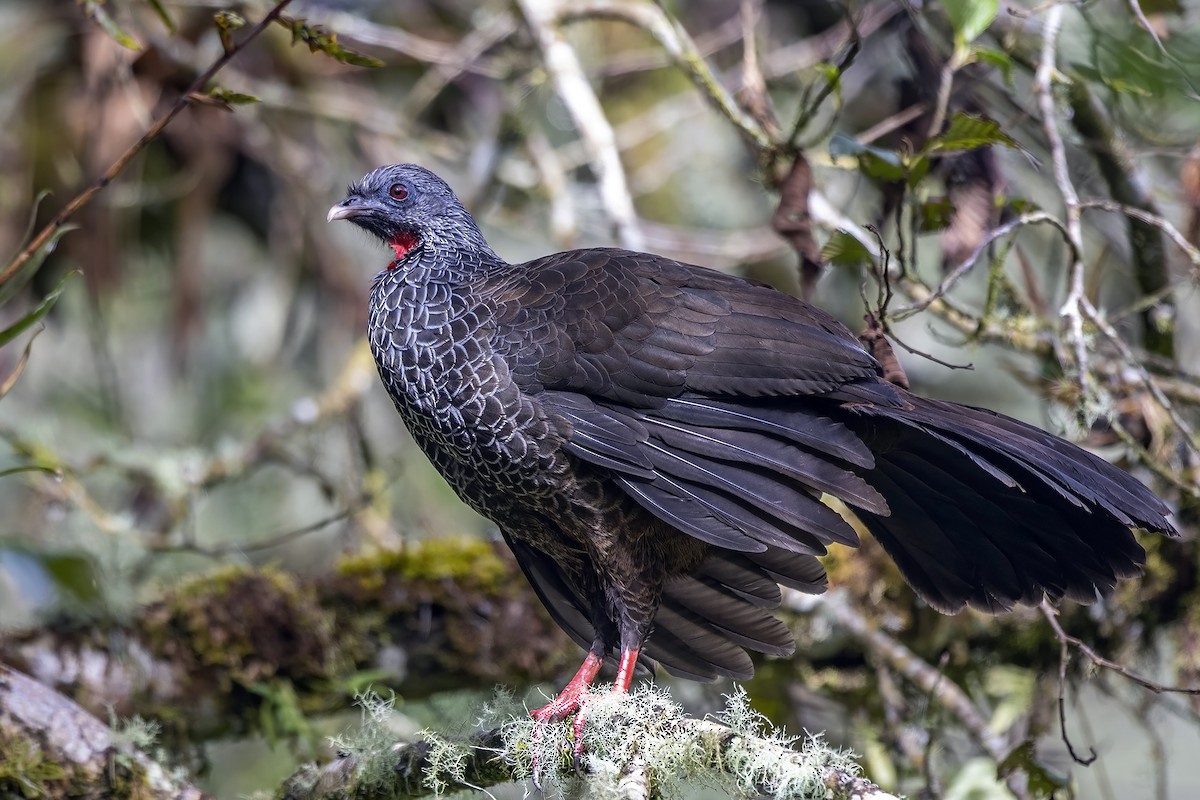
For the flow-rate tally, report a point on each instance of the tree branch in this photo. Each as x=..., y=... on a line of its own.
x=60, y=750
x=634, y=745
x=591, y=124
x=83, y=198
x=445, y=613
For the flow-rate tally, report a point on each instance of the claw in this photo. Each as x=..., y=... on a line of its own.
x=570, y=701
x=577, y=750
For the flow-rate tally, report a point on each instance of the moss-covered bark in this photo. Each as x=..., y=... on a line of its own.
x=51, y=748
x=245, y=648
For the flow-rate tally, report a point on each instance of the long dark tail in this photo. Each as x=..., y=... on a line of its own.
x=990, y=512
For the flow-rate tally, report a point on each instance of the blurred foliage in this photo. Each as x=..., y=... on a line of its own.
x=189, y=405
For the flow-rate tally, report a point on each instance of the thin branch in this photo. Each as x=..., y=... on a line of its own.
x=962, y=269
x=1064, y=658
x=919, y=673
x=945, y=692
x=1043, y=86
x=182, y=102
x=1132, y=362
x=682, y=49
x=1051, y=615
x=591, y=124
x=1164, y=225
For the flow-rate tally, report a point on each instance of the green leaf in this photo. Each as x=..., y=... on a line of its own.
x=27, y=321
x=967, y=132
x=970, y=18
x=841, y=144
x=95, y=10
x=875, y=162
x=73, y=573
x=321, y=40
x=47, y=468
x=935, y=214
x=161, y=10
x=230, y=97
x=917, y=170
x=8, y=383
x=1160, y=7
x=9, y=288
x=997, y=58
x=1042, y=782
x=843, y=250
x=1129, y=61
x=227, y=22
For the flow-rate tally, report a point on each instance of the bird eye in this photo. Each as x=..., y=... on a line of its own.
x=398, y=191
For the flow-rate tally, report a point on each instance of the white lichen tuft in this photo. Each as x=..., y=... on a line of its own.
x=762, y=760
x=738, y=752
x=634, y=745
x=371, y=745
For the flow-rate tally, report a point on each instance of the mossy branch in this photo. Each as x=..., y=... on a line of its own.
x=638, y=745
x=52, y=748
x=242, y=648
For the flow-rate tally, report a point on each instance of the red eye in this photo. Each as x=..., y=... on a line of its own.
x=398, y=191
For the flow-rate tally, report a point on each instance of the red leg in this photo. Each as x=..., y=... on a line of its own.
x=625, y=670
x=571, y=697
x=568, y=700
x=564, y=705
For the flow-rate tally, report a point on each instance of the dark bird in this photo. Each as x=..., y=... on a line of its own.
x=653, y=439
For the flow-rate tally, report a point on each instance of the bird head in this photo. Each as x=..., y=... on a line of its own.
x=407, y=206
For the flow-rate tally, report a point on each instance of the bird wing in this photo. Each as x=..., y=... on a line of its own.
x=726, y=409
x=635, y=329
x=681, y=381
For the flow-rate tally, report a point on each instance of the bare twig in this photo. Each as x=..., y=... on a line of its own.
x=1051, y=615
x=1043, y=84
x=84, y=197
x=590, y=122
x=1064, y=658
x=1132, y=362
x=1164, y=225
x=962, y=269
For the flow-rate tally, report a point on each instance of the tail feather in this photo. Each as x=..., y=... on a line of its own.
x=989, y=512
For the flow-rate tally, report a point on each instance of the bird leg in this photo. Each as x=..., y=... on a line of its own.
x=569, y=699
x=624, y=680
x=567, y=702
x=629, y=659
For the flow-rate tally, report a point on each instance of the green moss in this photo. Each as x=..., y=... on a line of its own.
x=25, y=772
x=243, y=626
x=462, y=559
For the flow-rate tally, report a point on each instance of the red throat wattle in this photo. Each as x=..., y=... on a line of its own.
x=402, y=243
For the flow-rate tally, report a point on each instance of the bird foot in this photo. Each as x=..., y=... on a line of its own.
x=557, y=710
x=568, y=702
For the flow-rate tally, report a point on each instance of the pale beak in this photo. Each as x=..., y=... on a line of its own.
x=342, y=211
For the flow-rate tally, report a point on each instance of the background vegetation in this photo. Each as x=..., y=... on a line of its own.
x=215, y=526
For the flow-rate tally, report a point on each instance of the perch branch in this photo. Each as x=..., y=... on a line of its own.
x=633, y=744
x=1072, y=309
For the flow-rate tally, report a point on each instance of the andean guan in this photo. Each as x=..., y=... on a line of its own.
x=653, y=438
